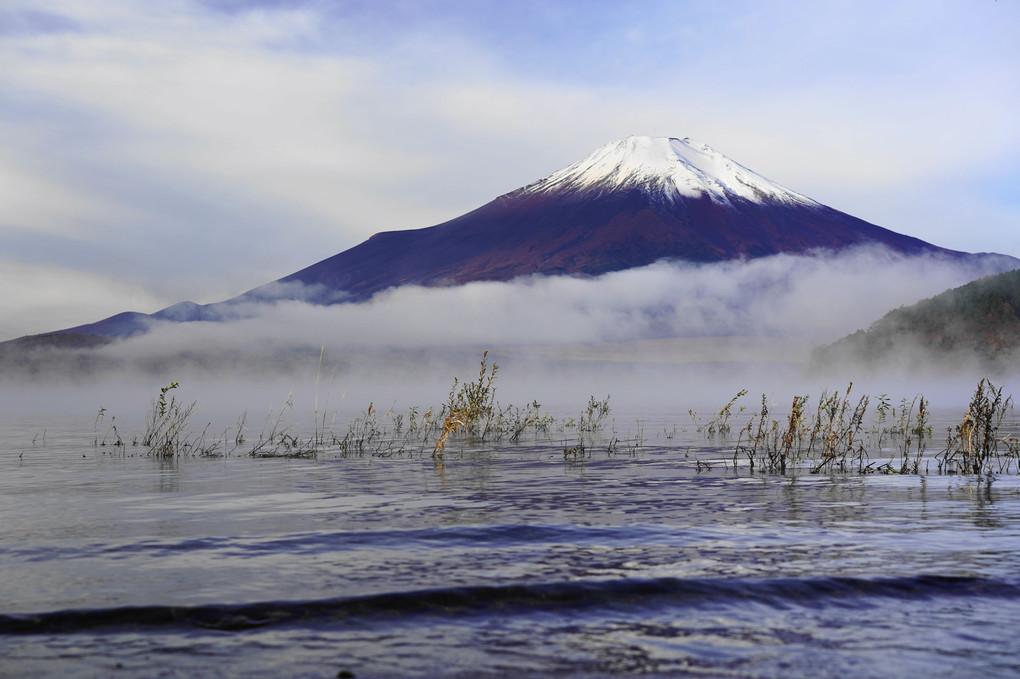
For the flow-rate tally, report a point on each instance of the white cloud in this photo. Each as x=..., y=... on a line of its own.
x=747, y=325
x=805, y=299
x=658, y=338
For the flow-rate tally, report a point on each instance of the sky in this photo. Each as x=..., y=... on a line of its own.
x=191, y=150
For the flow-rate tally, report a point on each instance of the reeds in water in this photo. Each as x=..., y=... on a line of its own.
x=972, y=447
x=589, y=425
x=166, y=424
x=835, y=436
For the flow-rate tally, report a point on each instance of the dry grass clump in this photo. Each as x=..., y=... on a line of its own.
x=167, y=434
x=833, y=438
x=277, y=438
x=837, y=430
x=363, y=433
x=972, y=447
x=111, y=431
x=472, y=412
x=771, y=445
x=836, y=438
x=720, y=424
x=166, y=424
x=369, y=433
x=589, y=426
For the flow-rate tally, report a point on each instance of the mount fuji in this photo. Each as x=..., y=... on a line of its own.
x=628, y=204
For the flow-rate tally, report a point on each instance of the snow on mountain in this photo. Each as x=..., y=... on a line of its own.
x=668, y=169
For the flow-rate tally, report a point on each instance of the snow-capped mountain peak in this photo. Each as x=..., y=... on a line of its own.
x=666, y=168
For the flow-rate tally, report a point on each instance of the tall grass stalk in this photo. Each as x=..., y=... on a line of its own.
x=470, y=407
x=589, y=424
x=972, y=447
x=166, y=425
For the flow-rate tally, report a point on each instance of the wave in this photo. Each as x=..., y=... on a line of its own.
x=518, y=599
x=499, y=536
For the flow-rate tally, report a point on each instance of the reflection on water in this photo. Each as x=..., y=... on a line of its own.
x=654, y=561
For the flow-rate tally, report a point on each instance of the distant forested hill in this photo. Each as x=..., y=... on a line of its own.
x=979, y=322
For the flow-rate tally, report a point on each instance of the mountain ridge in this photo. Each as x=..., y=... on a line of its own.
x=627, y=204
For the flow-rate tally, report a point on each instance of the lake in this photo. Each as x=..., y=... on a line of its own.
x=649, y=554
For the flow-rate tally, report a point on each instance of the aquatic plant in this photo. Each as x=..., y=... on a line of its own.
x=592, y=419
x=95, y=426
x=276, y=439
x=530, y=417
x=916, y=433
x=588, y=426
x=720, y=424
x=111, y=428
x=319, y=417
x=770, y=447
x=972, y=447
x=840, y=432
x=362, y=433
x=835, y=437
x=471, y=411
x=166, y=423
x=469, y=407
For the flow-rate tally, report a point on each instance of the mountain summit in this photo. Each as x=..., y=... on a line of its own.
x=628, y=204
x=667, y=170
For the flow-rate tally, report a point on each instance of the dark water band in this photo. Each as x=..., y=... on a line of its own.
x=623, y=594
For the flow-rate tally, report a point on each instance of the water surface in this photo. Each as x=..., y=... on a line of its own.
x=497, y=561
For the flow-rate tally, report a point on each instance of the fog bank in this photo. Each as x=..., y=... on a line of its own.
x=669, y=335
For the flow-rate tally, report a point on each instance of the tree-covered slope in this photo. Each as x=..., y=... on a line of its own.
x=979, y=321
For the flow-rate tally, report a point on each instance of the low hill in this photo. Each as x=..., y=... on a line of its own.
x=977, y=323
x=34, y=355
